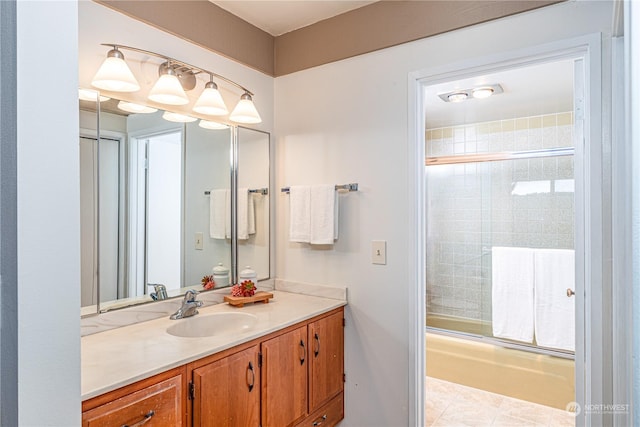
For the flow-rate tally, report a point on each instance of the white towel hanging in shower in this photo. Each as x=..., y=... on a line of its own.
x=554, y=311
x=512, y=293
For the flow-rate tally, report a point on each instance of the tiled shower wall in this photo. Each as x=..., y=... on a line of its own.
x=474, y=206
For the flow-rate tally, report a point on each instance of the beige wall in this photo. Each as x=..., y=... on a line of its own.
x=376, y=26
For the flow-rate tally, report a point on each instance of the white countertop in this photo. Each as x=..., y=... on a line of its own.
x=122, y=356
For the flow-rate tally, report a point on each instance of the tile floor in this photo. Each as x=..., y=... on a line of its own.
x=451, y=405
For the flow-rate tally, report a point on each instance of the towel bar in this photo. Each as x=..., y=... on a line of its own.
x=348, y=187
x=263, y=191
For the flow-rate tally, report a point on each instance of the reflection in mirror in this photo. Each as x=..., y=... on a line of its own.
x=253, y=179
x=145, y=215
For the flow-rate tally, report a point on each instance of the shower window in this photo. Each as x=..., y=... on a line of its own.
x=500, y=184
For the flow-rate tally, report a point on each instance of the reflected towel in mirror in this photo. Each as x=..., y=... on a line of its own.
x=218, y=203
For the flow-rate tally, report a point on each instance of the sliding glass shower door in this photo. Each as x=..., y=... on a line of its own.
x=517, y=193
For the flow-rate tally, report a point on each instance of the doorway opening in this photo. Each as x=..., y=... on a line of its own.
x=503, y=205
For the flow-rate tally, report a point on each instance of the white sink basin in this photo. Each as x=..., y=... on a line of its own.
x=215, y=324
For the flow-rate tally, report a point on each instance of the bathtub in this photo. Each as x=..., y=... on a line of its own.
x=538, y=378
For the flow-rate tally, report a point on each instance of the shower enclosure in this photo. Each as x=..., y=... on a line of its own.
x=499, y=184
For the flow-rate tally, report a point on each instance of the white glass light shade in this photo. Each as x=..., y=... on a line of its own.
x=168, y=90
x=245, y=111
x=211, y=102
x=206, y=124
x=114, y=75
x=135, y=108
x=178, y=118
x=91, y=95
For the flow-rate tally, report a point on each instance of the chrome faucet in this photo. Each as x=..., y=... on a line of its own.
x=189, y=306
x=160, y=291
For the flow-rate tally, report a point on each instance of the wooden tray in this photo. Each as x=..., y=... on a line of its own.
x=241, y=301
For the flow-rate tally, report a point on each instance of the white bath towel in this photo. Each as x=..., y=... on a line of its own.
x=246, y=214
x=299, y=213
x=218, y=213
x=554, y=311
x=512, y=293
x=324, y=215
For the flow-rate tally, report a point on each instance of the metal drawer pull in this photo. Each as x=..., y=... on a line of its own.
x=322, y=419
x=570, y=292
x=146, y=419
x=253, y=376
x=304, y=352
x=317, y=349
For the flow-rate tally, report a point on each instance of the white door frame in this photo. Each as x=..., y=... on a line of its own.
x=593, y=249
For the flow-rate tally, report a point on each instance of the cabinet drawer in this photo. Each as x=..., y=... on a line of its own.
x=328, y=415
x=156, y=405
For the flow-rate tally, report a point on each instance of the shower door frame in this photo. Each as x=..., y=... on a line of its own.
x=593, y=296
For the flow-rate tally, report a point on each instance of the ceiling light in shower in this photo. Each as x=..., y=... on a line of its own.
x=478, y=92
x=457, y=96
x=114, y=74
x=206, y=124
x=91, y=95
x=177, y=118
x=130, y=107
x=482, y=92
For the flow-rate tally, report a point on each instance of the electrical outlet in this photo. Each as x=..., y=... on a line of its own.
x=379, y=252
x=199, y=241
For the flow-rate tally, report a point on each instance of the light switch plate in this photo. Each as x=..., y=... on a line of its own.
x=199, y=241
x=379, y=252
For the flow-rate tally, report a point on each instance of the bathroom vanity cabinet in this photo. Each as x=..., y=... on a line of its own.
x=155, y=401
x=290, y=377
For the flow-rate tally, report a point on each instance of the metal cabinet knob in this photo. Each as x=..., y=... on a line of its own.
x=570, y=292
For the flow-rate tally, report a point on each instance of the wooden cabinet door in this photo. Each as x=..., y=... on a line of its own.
x=227, y=392
x=284, y=379
x=326, y=355
x=157, y=405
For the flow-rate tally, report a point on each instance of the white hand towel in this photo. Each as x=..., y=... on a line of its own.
x=299, y=213
x=512, y=293
x=217, y=213
x=555, y=312
x=324, y=215
x=227, y=209
x=246, y=214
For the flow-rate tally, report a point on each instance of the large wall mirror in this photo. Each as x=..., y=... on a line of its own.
x=156, y=204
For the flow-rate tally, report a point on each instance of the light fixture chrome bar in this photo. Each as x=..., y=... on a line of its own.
x=493, y=157
x=348, y=187
x=178, y=62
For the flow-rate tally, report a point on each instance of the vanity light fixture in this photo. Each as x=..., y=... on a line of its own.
x=114, y=74
x=478, y=92
x=210, y=102
x=245, y=111
x=176, y=77
x=168, y=89
x=90, y=95
x=130, y=107
x=206, y=124
x=177, y=118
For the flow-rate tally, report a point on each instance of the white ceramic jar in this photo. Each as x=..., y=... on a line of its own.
x=221, y=275
x=248, y=274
